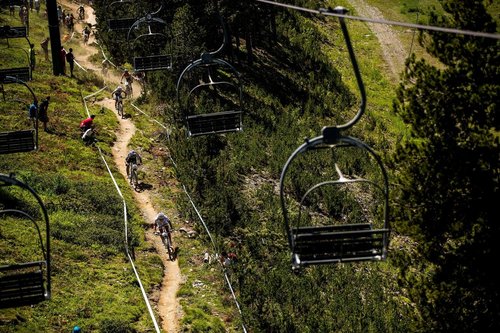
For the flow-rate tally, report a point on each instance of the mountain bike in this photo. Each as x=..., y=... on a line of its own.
x=128, y=88
x=119, y=107
x=164, y=234
x=134, y=180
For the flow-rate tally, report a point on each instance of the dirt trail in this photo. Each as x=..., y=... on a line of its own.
x=167, y=304
x=392, y=48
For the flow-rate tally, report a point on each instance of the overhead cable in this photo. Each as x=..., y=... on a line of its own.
x=328, y=12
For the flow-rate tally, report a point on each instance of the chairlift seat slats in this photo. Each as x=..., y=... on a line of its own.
x=21, y=285
x=13, y=32
x=214, y=123
x=17, y=141
x=338, y=243
x=120, y=24
x=153, y=63
x=21, y=73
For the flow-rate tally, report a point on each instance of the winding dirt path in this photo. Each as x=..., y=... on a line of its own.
x=167, y=304
x=392, y=49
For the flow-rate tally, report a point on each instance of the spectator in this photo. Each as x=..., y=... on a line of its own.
x=70, y=57
x=63, y=60
x=32, y=111
x=45, y=47
x=42, y=112
x=60, y=13
x=31, y=56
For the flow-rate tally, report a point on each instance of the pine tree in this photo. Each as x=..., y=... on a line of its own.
x=448, y=172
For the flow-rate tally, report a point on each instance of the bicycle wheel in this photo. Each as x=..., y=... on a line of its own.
x=120, y=109
x=170, y=249
x=135, y=180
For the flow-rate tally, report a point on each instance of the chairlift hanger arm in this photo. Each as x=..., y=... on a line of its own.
x=225, y=38
x=352, y=57
x=148, y=19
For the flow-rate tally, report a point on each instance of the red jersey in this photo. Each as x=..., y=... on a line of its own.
x=86, y=123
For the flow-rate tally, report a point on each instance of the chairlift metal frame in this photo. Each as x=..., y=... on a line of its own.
x=9, y=32
x=151, y=62
x=27, y=287
x=21, y=140
x=313, y=245
x=218, y=122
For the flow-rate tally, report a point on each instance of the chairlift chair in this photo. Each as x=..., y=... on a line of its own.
x=23, y=140
x=216, y=122
x=345, y=239
x=151, y=62
x=21, y=73
x=26, y=283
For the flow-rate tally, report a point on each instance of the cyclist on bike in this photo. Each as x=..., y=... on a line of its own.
x=86, y=34
x=81, y=12
x=128, y=82
x=87, y=123
x=132, y=158
x=162, y=222
x=127, y=76
x=117, y=95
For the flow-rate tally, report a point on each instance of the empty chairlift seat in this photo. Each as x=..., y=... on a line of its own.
x=152, y=63
x=359, y=229
x=22, y=284
x=229, y=119
x=214, y=123
x=17, y=141
x=20, y=73
x=338, y=243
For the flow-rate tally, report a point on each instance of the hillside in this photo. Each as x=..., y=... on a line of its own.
x=223, y=191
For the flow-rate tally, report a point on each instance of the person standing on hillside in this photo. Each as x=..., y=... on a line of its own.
x=42, y=112
x=70, y=57
x=45, y=48
x=62, y=55
x=31, y=56
x=37, y=6
x=32, y=112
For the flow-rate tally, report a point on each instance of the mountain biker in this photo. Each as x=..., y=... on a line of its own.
x=89, y=137
x=81, y=12
x=162, y=221
x=127, y=76
x=86, y=33
x=87, y=123
x=117, y=95
x=132, y=158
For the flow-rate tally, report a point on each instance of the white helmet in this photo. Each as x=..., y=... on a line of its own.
x=119, y=88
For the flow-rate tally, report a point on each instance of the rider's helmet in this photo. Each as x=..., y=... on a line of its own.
x=161, y=215
x=119, y=88
x=77, y=329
